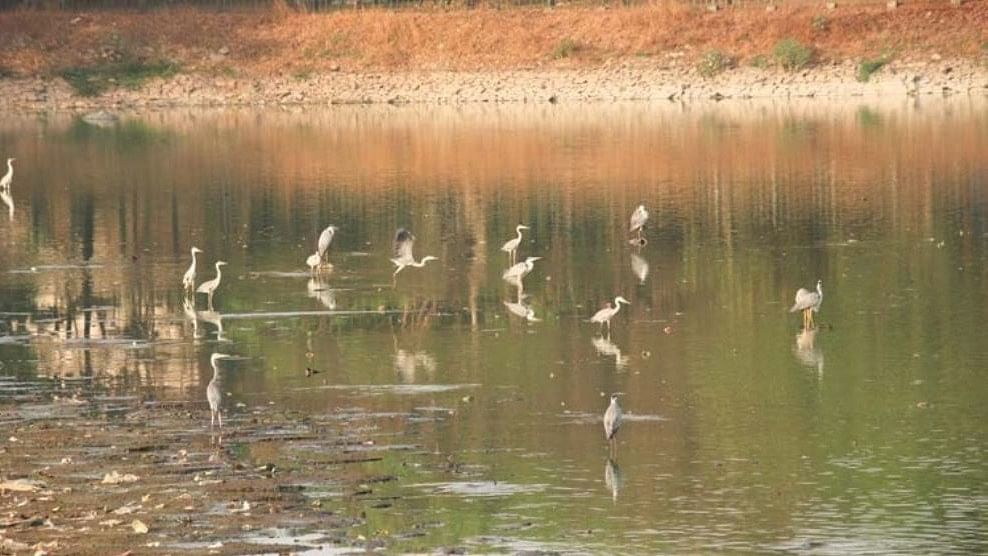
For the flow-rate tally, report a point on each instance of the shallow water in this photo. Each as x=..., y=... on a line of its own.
x=742, y=434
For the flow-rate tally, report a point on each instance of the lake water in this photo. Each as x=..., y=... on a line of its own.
x=742, y=433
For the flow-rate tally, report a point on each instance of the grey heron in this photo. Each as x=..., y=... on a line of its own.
x=520, y=270
x=189, y=280
x=638, y=219
x=213, y=393
x=808, y=302
x=404, y=240
x=604, y=315
x=209, y=287
x=612, y=421
x=511, y=246
x=9, y=176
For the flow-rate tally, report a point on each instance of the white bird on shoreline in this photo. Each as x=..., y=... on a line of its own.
x=209, y=287
x=808, y=302
x=404, y=241
x=9, y=176
x=604, y=315
x=511, y=246
x=189, y=280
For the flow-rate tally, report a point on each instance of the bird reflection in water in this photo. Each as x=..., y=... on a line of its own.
x=189, y=308
x=408, y=362
x=613, y=478
x=215, y=319
x=607, y=348
x=806, y=350
x=8, y=200
x=522, y=309
x=639, y=266
x=320, y=291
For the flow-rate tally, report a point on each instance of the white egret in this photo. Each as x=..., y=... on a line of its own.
x=213, y=393
x=209, y=287
x=9, y=176
x=404, y=240
x=604, y=315
x=189, y=280
x=808, y=302
x=511, y=246
x=638, y=219
x=520, y=270
x=612, y=421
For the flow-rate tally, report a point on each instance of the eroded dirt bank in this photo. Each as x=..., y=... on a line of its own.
x=184, y=57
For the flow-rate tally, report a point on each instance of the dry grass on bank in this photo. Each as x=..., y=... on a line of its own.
x=282, y=42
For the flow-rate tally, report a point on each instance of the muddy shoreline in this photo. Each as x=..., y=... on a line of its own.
x=86, y=474
x=626, y=81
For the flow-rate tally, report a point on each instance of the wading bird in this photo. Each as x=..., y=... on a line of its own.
x=8, y=200
x=318, y=259
x=404, y=240
x=612, y=422
x=189, y=280
x=213, y=394
x=808, y=302
x=604, y=315
x=638, y=219
x=511, y=246
x=519, y=271
x=9, y=176
x=209, y=287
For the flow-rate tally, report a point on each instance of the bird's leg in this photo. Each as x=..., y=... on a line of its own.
x=209, y=300
x=219, y=415
x=812, y=321
x=212, y=419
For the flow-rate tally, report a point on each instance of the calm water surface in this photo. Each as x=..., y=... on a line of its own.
x=743, y=434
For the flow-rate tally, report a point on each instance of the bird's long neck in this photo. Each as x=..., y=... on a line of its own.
x=216, y=373
x=819, y=290
x=193, y=258
x=418, y=264
x=218, y=271
x=10, y=167
x=617, y=305
x=519, y=233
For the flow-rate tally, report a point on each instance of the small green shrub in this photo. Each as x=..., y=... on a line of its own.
x=93, y=81
x=714, y=62
x=792, y=55
x=820, y=23
x=566, y=48
x=760, y=61
x=868, y=67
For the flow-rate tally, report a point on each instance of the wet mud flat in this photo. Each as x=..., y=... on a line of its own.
x=102, y=475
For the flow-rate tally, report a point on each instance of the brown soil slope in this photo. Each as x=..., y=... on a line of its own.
x=286, y=43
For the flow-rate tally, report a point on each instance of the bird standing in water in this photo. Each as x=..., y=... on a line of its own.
x=612, y=422
x=808, y=302
x=638, y=219
x=209, y=287
x=7, y=178
x=604, y=315
x=213, y=393
x=317, y=260
x=189, y=280
x=519, y=271
x=511, y=246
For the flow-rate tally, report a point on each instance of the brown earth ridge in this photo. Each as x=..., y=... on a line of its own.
x=523, y=54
